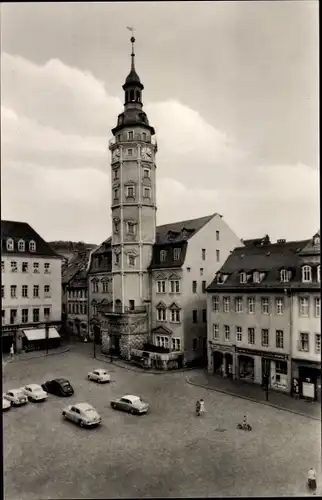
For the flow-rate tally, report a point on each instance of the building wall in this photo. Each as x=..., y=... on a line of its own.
x=302, y=324
x=204, y=239
x=19, y=278
x=100, y=295
x=256, y=320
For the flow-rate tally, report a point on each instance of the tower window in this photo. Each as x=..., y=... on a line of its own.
x=116, y=174
x=147, y=193
x=131, y=260
x=130, y=192
x=131, y=228
x=146, y=173
x=116, y=194
x=130, y=136
x=131, y=95
x=138, y=96
x=144, y=136
x=130, y=152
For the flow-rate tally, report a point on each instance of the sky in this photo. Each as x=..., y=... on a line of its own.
x=231, y=89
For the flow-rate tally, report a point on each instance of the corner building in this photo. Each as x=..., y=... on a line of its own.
x=139, y=291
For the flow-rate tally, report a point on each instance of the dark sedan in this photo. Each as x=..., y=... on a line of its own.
x=59, y=387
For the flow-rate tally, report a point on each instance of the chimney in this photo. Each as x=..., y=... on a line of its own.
x=281, y=242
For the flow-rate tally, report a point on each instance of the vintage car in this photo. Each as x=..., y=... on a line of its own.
x=6, y=405
x=34, y=392
x=131, y=404
x=99, y=375
x=16, y=397
x=82, y=414
x=59, y=387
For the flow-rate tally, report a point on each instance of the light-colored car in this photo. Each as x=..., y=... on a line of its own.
x=82, y=414
x=16, y=397
x=34, y=392
x=131, y=404
x=99, y=375
x=5, y=404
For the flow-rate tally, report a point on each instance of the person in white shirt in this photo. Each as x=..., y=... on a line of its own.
x=202, y=407
x=12, y=351
x=311, y=476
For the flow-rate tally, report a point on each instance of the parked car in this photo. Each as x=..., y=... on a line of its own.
x=131, y=404
x=6, y=405
x=16, y=397
x=34, y=392
x=82, y=414
x=99, y=375
x=59, y=387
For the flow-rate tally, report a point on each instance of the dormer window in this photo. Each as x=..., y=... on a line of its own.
x=256, y=277
x=21, y=245
x=176, y=253
x=10, y=244
x=284, y=276
x=243, y=277
x=163, y=255
x=32, y=246
x=306, y=274
x=221, y=278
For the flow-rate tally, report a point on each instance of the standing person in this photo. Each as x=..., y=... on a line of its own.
x=198, y=408
x=311, y=479
x=202, y=407
x=12, y=351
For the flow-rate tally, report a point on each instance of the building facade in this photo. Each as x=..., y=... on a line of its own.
x=306, y=323
x=253, y=319
x=146, y=283
x=30, y=285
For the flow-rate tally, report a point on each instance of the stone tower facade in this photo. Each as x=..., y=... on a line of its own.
x=133, y=174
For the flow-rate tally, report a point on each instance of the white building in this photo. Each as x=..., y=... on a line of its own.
x=30, y=286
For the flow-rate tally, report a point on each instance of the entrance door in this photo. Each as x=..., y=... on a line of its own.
x=218, y=361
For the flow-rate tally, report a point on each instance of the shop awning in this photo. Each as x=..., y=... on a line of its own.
x=40, y=333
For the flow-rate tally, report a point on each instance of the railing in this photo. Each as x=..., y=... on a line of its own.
x=136, y=137
x=108, y=308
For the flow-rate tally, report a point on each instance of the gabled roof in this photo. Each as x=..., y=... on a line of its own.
x=76, y=267
x=180, y=231
x=162, y=330
x=23, y=231
x=268, y=259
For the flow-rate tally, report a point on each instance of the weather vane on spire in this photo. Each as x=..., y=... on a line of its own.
x=130, y=28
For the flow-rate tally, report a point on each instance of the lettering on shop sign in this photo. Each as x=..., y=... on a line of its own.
x=264, y=354
x=229, y=348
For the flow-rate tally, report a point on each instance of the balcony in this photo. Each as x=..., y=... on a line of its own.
x=118, y=309
x=135, y=138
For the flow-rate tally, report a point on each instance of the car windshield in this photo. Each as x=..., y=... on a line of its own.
x=20, y=393
x=65, y=384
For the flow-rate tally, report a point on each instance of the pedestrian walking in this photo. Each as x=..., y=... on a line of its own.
x=202, y=407
x=12, y=351
x=311, y=480
x=198, y=408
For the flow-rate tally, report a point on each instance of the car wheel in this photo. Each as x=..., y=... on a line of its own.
x=81, y=423
x=133, y=412
x=64, y=415
x=113, y=405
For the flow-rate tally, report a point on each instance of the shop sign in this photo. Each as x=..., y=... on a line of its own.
x=264, y=354
x=220, y=347
x=308, y=390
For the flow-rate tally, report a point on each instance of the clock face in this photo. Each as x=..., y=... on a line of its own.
x=116, y=154
x=147, y=153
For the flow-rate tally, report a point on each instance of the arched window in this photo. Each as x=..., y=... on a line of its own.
x=306, y=274
x=131, y=95
x=138, y=96
x=243, y=277
x=9, y=244
x=32, y=246
x=21, y=245
x=284, y=276
x=256, y=277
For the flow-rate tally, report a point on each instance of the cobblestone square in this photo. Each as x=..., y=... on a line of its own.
x=167, y=453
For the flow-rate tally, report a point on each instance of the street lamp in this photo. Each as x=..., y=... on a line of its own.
x=47, y=336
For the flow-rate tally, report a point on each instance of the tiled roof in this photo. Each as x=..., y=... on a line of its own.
x=180, y=231
x=22, y=231
x=257, y=241
x=101, y=260
x=77, y=263
x=267, y=259
x=312, y=248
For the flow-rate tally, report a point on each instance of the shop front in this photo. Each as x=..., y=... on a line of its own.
x=307, y=376
x=264, y=367
x=39, y=338
x=223, y=360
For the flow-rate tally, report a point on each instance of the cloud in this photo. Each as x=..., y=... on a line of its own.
x=56, y=163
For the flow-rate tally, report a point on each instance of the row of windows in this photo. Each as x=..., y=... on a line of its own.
x=266, y=305
x=77, y=308
x=175, y=315
x=116, y=177
x=27, y=316
x=96, y=287
x=265, y=335
x=25, y=291
x=21, y=245
x=130, y=193
x=195, y=286
x=173, y=287
x=130, y=135
x=162, y=341
x=25, y=267
x=77, y=294
x=285, y=276
x=304, y=342
x=176, y=252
